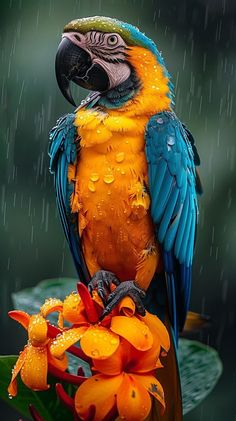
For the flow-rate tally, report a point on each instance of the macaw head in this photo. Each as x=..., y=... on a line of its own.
x=103, y=54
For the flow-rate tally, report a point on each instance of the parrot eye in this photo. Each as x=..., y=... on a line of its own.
x=112, y=40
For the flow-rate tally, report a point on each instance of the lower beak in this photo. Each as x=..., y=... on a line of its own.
x=75, y=64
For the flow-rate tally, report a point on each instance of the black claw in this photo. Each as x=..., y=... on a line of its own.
x=101, y=291
x=102, y=280
x=139, y=305
x=105, y=312
x=111, y=297
x=123, y=289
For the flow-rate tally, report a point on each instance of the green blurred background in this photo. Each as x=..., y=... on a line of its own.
x=198, y=41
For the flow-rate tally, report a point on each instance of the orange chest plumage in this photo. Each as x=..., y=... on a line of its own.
x=111, y=179
x=111, y=195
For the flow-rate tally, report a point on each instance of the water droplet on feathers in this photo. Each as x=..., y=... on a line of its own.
x=120, y=156
x=108, y=178
x=91, y=186
x=94, y=176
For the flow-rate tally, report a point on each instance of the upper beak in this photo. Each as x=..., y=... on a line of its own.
x=74, y=63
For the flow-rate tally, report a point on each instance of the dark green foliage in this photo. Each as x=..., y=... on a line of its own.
x=200, y=369
x=46, y=403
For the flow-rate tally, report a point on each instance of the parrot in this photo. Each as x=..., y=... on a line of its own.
x=126, y=178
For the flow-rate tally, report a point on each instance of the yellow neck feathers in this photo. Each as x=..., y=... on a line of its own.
x=153, y=95
x=98, y=125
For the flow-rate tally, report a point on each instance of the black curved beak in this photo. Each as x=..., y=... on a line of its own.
x=75, y=64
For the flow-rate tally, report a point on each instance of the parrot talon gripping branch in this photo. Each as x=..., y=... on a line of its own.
x=126, y=288
x=103, y=281
x=126, y=191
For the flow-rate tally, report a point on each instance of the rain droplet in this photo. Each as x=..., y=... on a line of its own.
x=94, y=176
x=95, y=353
x=91, y=186
x=108, y=178
x=171, y=140
x=120, y=156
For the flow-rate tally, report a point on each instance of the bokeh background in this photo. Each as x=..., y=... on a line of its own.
x=198, y=41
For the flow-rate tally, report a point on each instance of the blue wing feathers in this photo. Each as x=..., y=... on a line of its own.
x=166, y=220
x=172, y=185
x=158, y=178
x=182, y=227
x=183, y=247
x=171, y=232
x=162, y=198
x=62, y=152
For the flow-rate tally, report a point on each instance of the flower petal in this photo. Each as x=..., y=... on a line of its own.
x=73, y=309
x=133, y=400
x=115, y=364
x=97, y=299
x=21, y=317
x=158, y=329
x=90, y=308
x=127, y=307
x=61, y=364
x=98, y=390
x=37, y=330
x=133, y=330
x=12, y=388
x=50, y=305
x=62, y=342
x=143, y=362
x=99, y=342
x=153, y=386
x=35, y=368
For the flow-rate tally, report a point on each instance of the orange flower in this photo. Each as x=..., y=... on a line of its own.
x=123, y=348
x=71, y=309
x=101, y=339
x=124, y=385
x=33, y=361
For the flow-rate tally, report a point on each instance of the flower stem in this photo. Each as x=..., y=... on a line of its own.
x=35, y=415
x=67, y=377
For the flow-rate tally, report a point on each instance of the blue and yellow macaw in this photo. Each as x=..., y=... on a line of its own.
x=125, y=177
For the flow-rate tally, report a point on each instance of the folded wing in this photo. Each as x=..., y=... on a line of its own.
x=172, y=184
x=63, y=148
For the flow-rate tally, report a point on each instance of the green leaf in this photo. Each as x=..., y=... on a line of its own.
x=31, y=299
x=47, y=402
x=200, y=369
x=74, y=363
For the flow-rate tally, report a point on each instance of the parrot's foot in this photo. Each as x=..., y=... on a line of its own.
x=125, y=288
x=102, y=281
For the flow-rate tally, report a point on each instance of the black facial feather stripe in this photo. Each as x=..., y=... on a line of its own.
x=108, y=58
x=104, y=51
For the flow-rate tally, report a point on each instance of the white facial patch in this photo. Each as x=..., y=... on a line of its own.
x=105, y=49
x=117, y=72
